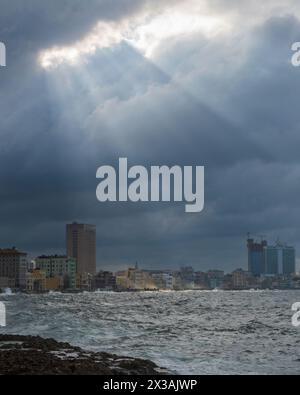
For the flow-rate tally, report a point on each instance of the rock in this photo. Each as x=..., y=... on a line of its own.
x=24, y=355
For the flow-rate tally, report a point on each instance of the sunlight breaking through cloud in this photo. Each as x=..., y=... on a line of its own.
x=143, y=33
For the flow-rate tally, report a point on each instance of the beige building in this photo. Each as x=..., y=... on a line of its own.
x=134, y=279
x=84, y=281
x=122, y=280
x=13, y=264
x=240, y=279
x=54, y=284
x=36, y=281
x=81, y=244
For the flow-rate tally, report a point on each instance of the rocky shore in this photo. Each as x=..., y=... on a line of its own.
x=33, y=355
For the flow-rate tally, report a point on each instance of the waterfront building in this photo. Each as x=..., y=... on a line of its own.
x=84, y=281
x=201, y=280
x=241, y=279
x=215, y=278
x=168, y=279
x=56, y=284
x=6, y=282
x=187, y=277
x=139, y=279
x=81, y=245
x=161, y=279
x=36, y=281
x=13, y=264
x=104, y=280
x=122, y=280
x=228, y=281
x=58, y=266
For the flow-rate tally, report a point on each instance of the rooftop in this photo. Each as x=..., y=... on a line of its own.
x=54, y=257
x=11, y=251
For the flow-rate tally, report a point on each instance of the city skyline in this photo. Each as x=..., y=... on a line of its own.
x=80, y=243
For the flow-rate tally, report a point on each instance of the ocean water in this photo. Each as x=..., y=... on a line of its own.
x=193, y=332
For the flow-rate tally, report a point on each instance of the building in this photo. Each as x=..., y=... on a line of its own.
x=6, y=282
x=13, y=264
x=241, y=279
x=58, y=266
x=215, y=278
x=201, y=280
x=161, y=279
x=279, y=260
x=81, y=245
x=256, y=261
x=168, y=279
x=187, y=277
x=84, y=281
x=55, y=284
x=122, y=280
x=140, y=279
x=228, y=282
x=104, y=280
x=36, y=281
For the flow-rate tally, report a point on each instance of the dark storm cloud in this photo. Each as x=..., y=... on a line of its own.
x=229, y=103
x=45, y=23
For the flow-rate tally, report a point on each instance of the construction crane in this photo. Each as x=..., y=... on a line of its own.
x=254, y=236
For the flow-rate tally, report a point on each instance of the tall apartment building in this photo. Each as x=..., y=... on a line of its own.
x=264, y=259
x=256, y=262
x=58, y=266
x=81, y=245
x=280, y=260
x=13, y=264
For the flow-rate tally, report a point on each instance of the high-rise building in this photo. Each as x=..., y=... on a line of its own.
x=256, y=262
x=13, y=264
x=81, y=245
x=264, y=259
x=279, y=260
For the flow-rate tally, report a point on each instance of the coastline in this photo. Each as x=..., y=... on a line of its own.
x=34, y=355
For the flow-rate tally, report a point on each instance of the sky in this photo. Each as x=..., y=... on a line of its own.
x=161, y=82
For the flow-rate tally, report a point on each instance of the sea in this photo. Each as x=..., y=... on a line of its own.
x=189, y=332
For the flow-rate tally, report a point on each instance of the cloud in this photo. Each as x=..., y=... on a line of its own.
x=227, y=100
